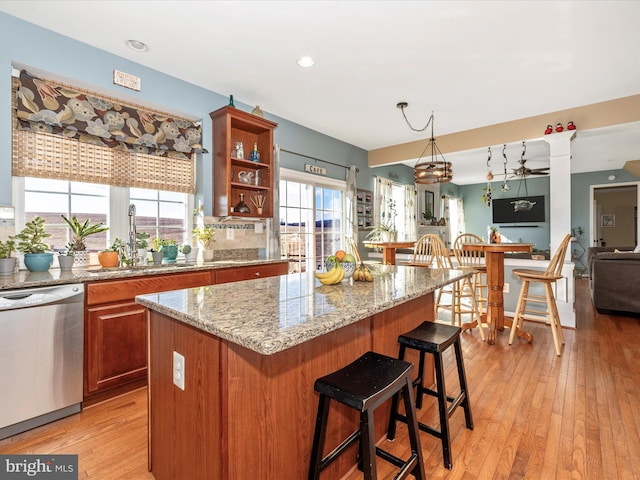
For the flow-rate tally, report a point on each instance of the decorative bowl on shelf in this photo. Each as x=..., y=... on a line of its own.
x=349, y=268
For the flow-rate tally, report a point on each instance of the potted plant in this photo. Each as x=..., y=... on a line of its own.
x=380, y=233
x=65, y=258
x=156, y=251
x=111, y=257
x=37, y=254
x=169, y=251
x=142, y=245
x=190, y=253
x=80, y=232
x=204, y=235
x=7, y=260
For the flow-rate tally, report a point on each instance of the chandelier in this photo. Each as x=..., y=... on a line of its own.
x=436, y=170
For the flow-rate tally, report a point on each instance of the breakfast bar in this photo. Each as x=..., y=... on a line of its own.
x=252, y=351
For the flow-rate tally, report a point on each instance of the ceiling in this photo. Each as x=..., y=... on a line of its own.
x=473, y=63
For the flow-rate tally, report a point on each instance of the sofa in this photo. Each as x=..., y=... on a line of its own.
x=614, y=278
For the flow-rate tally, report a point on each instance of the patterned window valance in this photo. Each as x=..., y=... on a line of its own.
x=51, y=107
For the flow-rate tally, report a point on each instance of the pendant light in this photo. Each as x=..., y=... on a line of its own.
x=435, y=170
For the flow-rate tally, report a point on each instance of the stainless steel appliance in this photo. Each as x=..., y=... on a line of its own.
x=41, y=340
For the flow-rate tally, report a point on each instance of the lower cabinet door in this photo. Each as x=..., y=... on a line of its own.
x=116, y=346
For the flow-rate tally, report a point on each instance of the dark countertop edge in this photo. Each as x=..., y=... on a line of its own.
x=26, y=279
x=257, y=346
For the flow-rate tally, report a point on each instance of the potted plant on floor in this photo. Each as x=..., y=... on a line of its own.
x=7, y=260
x=204, y=235
x=37, y=254
x=80, y=232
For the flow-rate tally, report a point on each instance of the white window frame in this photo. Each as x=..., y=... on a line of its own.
x=316, y=181
x=117, y=215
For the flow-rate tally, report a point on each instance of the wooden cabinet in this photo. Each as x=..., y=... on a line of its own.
x=115, y=345
x=231, y=126
x=251, y=272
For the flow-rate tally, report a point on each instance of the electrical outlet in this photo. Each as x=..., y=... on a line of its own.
x=178, y=370
x=506, y=288
x=229, y=233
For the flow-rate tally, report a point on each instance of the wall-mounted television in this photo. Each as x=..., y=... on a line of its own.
x=504, y=211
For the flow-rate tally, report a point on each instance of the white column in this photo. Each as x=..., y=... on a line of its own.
x=560, y=217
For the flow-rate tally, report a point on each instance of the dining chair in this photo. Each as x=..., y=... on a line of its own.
x=475, y=287
x=430, y=251
x=547, y=278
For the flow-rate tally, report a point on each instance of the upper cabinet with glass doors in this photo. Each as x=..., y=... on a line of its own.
x=242, y=164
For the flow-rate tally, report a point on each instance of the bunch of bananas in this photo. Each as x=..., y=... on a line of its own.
x=332, y=276
x=362, y=274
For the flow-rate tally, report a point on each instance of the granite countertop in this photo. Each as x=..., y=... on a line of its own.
x=26, y=279
x=272, y=314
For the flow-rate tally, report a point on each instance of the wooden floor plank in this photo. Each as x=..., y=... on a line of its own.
x=536, y=415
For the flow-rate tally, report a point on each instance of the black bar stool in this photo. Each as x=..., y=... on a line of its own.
x=435, y=338
x=364, y=385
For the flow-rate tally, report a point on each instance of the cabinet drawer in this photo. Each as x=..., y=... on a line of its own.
x=251, y=272
x=121, y=290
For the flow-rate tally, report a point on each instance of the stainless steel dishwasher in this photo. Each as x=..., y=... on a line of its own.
x=41, y=342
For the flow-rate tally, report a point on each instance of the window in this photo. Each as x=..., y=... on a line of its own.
x=311, y=219
x=159, y=213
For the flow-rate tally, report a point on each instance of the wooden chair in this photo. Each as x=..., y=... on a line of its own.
x=472, y=288
x=546, y=278
x=430, y=251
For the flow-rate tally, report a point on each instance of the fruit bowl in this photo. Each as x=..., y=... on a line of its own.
x=348, y=267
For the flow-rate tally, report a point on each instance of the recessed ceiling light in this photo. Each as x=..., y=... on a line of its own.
x=306, y=62
x=137, y=45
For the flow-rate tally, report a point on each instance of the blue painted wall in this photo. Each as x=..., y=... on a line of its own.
x=89, y=67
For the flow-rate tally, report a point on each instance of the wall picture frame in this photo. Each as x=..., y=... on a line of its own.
x=608, y=220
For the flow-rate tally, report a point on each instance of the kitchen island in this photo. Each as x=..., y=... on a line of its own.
x=252, y=351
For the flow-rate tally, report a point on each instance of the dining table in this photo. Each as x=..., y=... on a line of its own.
x=389, y=249
x=494, y=257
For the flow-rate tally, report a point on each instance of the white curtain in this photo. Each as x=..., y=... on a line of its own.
x=383, y=196
x=410, y=212
x=350, y=205
x=273, y=224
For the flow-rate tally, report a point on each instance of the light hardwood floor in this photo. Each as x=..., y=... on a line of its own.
x=536, y=415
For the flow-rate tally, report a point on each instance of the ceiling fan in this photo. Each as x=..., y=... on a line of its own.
x=524, y=171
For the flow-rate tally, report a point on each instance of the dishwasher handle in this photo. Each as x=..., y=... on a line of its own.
x=31, y=297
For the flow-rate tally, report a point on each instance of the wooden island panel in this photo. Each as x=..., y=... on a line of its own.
x=245, y=415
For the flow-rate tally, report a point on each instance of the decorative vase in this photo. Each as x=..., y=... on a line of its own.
x=38, y=262
x=157, y=257
x=65, y=262
x=81, y=259
x=7, y=266
x=207, y=255
x=169, y=253
x=192, y=257
x=109, y=259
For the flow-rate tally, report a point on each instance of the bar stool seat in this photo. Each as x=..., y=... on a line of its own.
x=364, y=385
x=435, y=338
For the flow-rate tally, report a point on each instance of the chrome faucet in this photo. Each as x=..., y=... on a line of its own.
x=133, y=251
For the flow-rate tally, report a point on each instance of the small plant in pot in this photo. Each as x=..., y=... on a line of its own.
x=204, y=235
x=80, y=231
x=190, y=253
x=156, y=251
x=37, y=254
x=7, y=260
x=65, y=258
x=142, y=246
x=169, y=251
x=112, y=256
